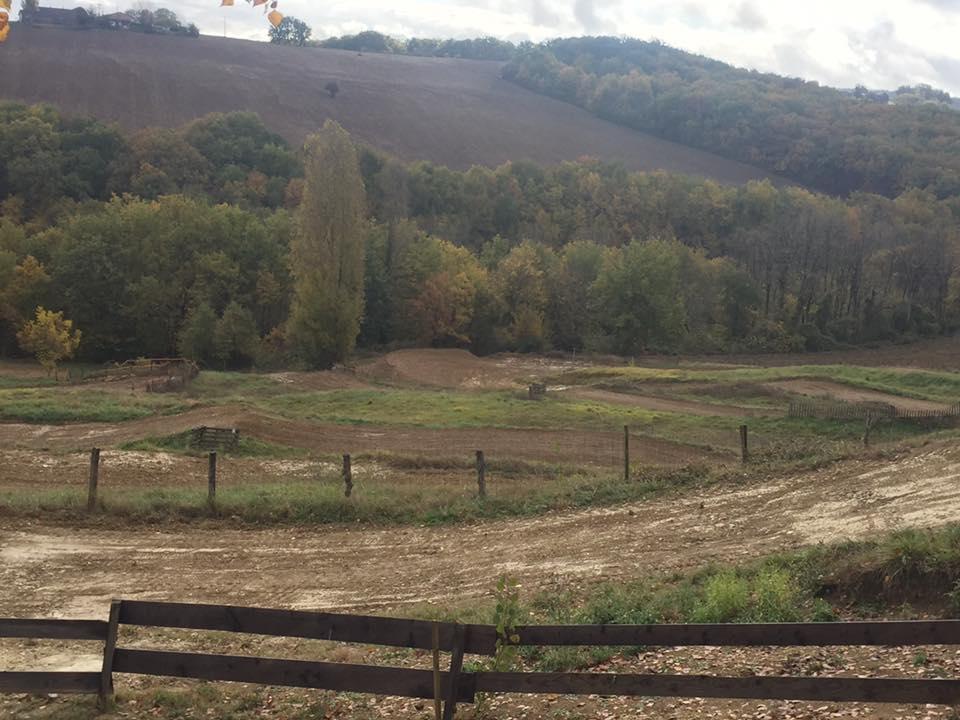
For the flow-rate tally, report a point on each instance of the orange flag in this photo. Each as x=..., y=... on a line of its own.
x=259, y=2
x=8, y=4
x=226, y=3
x=4, y=26
x=275, y=17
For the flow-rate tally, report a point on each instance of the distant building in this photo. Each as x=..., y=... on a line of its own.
x=116, y=21
x=59, y=17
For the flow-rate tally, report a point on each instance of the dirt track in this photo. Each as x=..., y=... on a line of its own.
x=560, y=446
x=73, y=572
x=845, y=393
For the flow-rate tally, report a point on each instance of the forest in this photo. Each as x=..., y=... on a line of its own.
x=836, y=142
x=203, y=241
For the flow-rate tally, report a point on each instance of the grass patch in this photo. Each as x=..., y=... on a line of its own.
x=322, y=501
x=887, y=577
x=63, y=405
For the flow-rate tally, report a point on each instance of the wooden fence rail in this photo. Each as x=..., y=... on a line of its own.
x=52, y=682
x=455, y=686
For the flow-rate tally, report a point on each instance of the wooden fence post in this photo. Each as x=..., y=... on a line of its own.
x=744, y=446
x=456, y=666
x=437, y=695
x=626, y=453
x=109, y=647
x=481, y=474
x=347, y=476
x=868, y=426
x=212, y=478
x=94, y=479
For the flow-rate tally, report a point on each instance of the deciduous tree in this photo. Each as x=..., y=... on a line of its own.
x=327, y=251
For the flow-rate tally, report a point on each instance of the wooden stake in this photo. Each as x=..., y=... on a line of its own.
x=437, y=702
x=94, y=479
x=110, y=645
x=347, y=476
x=481, y=474
x=212, y=478
x=866, y=430
x=626, y=453
x=456, y=666
x=744, y=447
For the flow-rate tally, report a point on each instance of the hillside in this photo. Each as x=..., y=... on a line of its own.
x=452, y=112
x=818, y=136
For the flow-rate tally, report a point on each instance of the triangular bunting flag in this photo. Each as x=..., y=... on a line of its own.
x=275, y=17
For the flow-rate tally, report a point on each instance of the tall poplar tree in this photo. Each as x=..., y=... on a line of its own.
x=327, y=252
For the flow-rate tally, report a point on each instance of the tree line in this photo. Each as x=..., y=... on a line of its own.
x=218, y=241
x=836, y=142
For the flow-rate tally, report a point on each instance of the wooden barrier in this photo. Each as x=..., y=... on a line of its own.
x=455, y=685
x=837, y=410
x=39, y=683
x=212, y=438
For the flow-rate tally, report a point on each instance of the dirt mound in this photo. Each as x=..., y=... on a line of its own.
x=435, y=368
x=845, y=393
x=452, y=112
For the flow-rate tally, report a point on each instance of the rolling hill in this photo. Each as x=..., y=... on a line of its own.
x=452, y=112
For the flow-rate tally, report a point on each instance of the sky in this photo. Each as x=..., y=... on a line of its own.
x=879, y=43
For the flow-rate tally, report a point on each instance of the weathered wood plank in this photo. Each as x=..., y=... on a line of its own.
x=400, y=682
x=906, y=633
x=886, y=690
x=109, y=648
x=53, y=629
x=40, y=683
x=293, y=623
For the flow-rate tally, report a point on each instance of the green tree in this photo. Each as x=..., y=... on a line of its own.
x=50, y=337
x=520, y=285
x=236, y=338
x=327, y=253
x=196, y=338
x=291, y=31
x=641, y=297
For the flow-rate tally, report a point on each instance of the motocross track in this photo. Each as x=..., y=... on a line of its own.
x=48, y=570
x=558, y=446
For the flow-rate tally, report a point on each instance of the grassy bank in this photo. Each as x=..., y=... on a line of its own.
x=322, y=501
x=65, y=404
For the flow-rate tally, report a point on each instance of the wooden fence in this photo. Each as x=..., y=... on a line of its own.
x=834, y=410
x=454, y=685
x=212, y=438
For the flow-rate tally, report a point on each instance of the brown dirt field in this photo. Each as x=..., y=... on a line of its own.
x=453, y=112
x=845, y=393
x=49, y=570
x=559, y=446
x=72, y=572
x=659, y=404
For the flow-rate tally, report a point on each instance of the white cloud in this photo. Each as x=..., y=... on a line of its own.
x=880, y=43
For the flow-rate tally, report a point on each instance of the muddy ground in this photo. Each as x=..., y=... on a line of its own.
x=56, y=571
x=71, y=572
